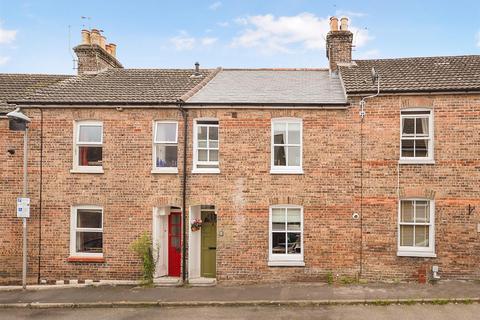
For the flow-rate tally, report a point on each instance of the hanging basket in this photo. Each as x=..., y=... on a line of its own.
x=196, y=225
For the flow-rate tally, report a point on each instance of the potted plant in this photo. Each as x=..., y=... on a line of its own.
x=196, y=224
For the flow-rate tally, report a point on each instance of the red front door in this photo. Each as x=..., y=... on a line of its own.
x=174, y=243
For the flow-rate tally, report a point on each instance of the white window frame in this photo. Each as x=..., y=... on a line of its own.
x=76, y=144
x=196, y=162
x=414, y=251
x=285, y=260
x=74, y=229
x=274, y=169
x=156, y=169
x=418, y=160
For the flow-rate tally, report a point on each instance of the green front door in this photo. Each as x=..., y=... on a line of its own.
x=209, y=244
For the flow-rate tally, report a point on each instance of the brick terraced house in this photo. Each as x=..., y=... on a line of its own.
x=294, y=173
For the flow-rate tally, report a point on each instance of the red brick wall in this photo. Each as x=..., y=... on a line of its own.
x=329, y=191
x=11, y=186
x=453, y=181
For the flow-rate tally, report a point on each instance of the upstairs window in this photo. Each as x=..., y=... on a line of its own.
x=416, y=228
x=165, y=146
x=417, y=136
x=88, y=152
x=86, y=238
x=206, y=146
x=286, y=146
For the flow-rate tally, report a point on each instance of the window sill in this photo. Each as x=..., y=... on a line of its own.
x=419, y=254
x=86, y=259
x=212, y=170
x=165, y=171
x=87, y=170
x=285, y=171
x=414, y=161
x=286, y=263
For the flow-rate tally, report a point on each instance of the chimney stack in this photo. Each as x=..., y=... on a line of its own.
x=94, y=55
x=339, y=44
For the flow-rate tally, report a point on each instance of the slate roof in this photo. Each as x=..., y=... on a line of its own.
x=122, y=86
x=18, y=86
x=428, y=74
x=271, y=86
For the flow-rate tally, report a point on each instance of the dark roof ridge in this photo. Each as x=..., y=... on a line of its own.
x=419, y=57
x=36, y=74
x=162, y=69
x=275, y=69
x=200, y=85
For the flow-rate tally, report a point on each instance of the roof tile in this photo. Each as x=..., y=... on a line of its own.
x=450, y=73
x=125, y=86
x=294, y=86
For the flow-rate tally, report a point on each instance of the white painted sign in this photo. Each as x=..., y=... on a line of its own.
x=23, y=207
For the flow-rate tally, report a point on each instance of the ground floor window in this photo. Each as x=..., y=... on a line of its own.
x=86, y=238
x=286, y=235
x=416, y=228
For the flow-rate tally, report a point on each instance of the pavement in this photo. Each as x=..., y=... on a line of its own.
x=295, y=294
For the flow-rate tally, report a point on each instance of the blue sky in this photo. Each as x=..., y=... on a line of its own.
x=281, y=33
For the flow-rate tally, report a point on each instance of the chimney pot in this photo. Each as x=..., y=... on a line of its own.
x=113, y=49
x=333, y=24
x=85, y=37
x=107, y=48
x=344, y=24
x=103, y=40
x=95, y=37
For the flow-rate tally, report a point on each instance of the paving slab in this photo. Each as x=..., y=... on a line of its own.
x=285, y=292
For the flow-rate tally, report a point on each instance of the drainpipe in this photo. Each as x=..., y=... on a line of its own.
x=362, y=113
x=184, y=190
x=40, y=200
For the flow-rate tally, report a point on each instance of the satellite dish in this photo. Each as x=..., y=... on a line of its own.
x=374, y=75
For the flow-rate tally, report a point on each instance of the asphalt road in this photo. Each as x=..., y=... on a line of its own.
x=404, y=312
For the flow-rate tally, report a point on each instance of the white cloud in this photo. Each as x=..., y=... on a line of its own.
x=478, y=39
x=208, y=41
x=349, y=14
x=215, y=5
x=272, y=34
x=4, y=60
x=241, y=21
x=183, y=41
x=7, y=36
x=223, y=24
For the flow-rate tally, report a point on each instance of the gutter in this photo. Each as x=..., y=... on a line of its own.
x=265, y=105
x=186, y=105
x=413, y=92
x=62, y=104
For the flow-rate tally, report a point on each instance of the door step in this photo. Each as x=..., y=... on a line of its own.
x=167, y=282
x=202, y=282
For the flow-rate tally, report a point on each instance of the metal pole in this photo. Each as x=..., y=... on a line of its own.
x=25, y=190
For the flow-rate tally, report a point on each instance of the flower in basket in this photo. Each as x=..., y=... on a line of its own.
x=196, y=224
